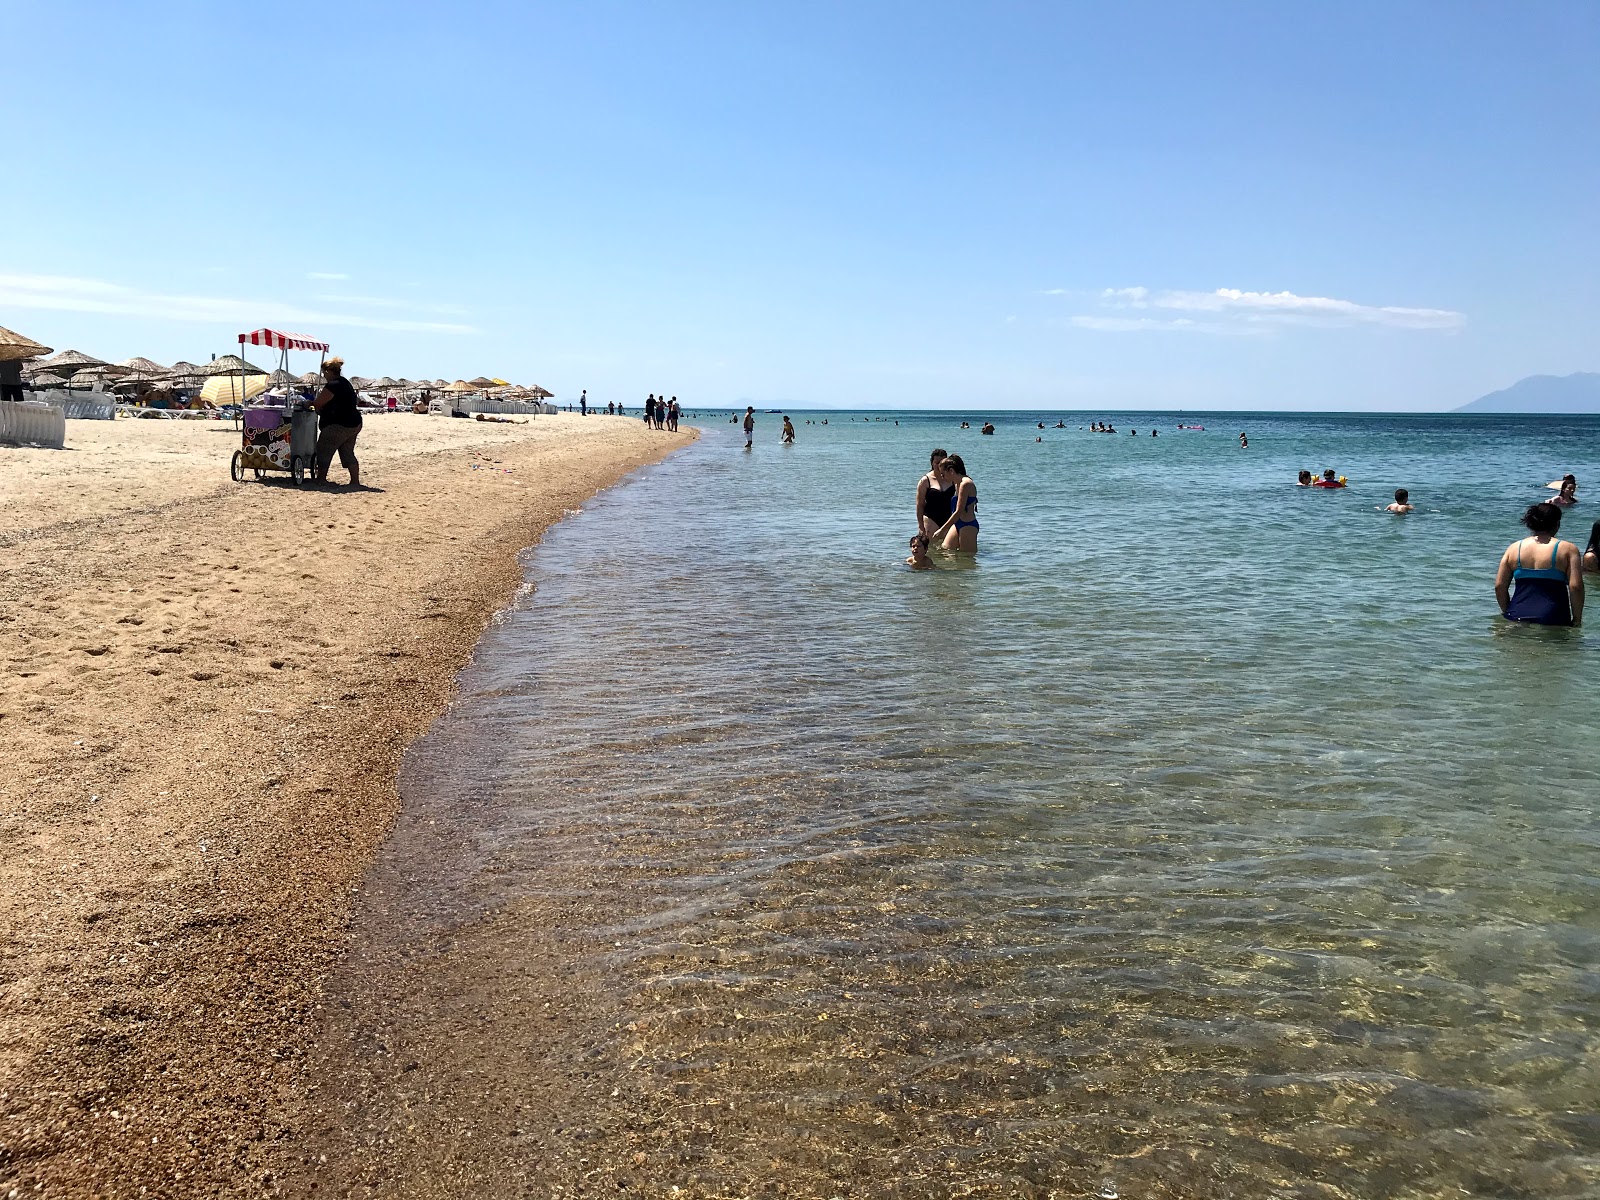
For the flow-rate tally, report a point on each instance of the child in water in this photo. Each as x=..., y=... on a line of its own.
x=919, y=560
x=1402, y=502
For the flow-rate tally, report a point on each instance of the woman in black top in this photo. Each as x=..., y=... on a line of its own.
x=339, y=423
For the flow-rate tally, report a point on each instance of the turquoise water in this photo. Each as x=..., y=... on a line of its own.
x=1202, y=836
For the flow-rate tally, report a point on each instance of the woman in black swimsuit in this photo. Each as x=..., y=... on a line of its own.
x=934, y=498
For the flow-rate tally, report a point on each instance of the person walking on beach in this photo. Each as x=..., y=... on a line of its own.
x=650, y=411
x=1549, y=586
x=749, y=425
x=788, y=432
x=338, y=423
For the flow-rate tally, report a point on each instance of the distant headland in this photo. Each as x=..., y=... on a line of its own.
x=1577, y=393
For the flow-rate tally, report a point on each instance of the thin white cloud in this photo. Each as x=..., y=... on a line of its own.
x=67, y=294
x=385, y=302
x=1161, y=324
x=1232, y=307
x=325, y=275
x=1055, y=291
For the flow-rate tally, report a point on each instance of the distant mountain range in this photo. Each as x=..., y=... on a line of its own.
x=1578, y=393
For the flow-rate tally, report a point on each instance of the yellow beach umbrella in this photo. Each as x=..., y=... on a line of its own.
x=499, y=383
x=233, y=389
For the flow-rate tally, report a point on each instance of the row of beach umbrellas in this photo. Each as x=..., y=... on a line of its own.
x=74, y=368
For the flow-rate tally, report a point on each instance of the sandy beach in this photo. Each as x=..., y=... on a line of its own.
x=207, y=690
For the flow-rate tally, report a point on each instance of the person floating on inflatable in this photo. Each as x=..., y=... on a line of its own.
x=1328, y=481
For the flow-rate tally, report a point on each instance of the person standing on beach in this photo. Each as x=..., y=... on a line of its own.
x=11, y=380
x=650, y=410
x=749, y=425
x=338, y=423
x=672, y=414
x=583, y=403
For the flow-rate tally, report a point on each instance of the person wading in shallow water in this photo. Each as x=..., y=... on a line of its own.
x=338, y=423
x=1547, y=573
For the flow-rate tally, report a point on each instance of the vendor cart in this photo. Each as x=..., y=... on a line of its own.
x=277, y=439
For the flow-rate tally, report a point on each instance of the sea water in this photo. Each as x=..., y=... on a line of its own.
x=1201, y=835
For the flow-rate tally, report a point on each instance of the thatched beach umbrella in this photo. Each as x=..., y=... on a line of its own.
x=460, y=385
x=282, y=378
x=14, y=346
x=311, y=377
x=70, y=361
x=44, y=379
x=230, y=364
x=90, y=376
x=143, y=367
x=540, y=392
x=483, y=381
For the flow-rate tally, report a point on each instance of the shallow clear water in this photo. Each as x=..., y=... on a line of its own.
x=1203, y=836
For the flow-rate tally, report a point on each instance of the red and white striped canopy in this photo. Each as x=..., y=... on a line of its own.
x=282, y=341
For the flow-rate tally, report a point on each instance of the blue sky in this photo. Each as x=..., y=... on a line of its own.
x=1274, y=205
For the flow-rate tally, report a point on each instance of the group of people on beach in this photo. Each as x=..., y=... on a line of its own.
x=947, y=510
x=662, y=413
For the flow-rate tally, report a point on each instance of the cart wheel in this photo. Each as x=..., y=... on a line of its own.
x=236, y=468
x=297, y=470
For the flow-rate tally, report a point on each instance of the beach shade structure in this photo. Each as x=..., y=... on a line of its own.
x=142, y=368
x=184, y=370
x=90, y=376
x=233, y=389
x=386, y=383
x=44, y=379
x=283, y=342
x=282, y=378
x=484, y=382
x=230, y=364
x=13, y=347
x=69, y=362
x=498, y=382
x=542, y=393
x=460, y=385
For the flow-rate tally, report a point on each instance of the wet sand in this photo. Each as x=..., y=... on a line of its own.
x=207, y=691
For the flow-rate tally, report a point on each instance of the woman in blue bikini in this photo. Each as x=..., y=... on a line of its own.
x=960, y=532
x=1547, y=572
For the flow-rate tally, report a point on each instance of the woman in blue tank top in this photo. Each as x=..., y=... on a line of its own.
x=1547, y=574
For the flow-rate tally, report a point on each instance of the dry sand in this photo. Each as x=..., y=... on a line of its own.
x=206, y=691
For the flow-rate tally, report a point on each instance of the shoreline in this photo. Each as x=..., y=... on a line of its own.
x=209, y=692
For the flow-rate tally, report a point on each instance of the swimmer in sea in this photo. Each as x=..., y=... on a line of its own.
x=919, y=560
x=1304, y=480
x=1244, y=442
x=1061, y=424
x=1549, y=586
x=960, y=532
x=1152, y=433
x=1591, y=552
x=788, y=432
x=1328, y=480
x=1402, y=502
x=1567, y=487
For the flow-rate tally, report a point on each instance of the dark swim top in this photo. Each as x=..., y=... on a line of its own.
x=937, y=504
x=1541, y=595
